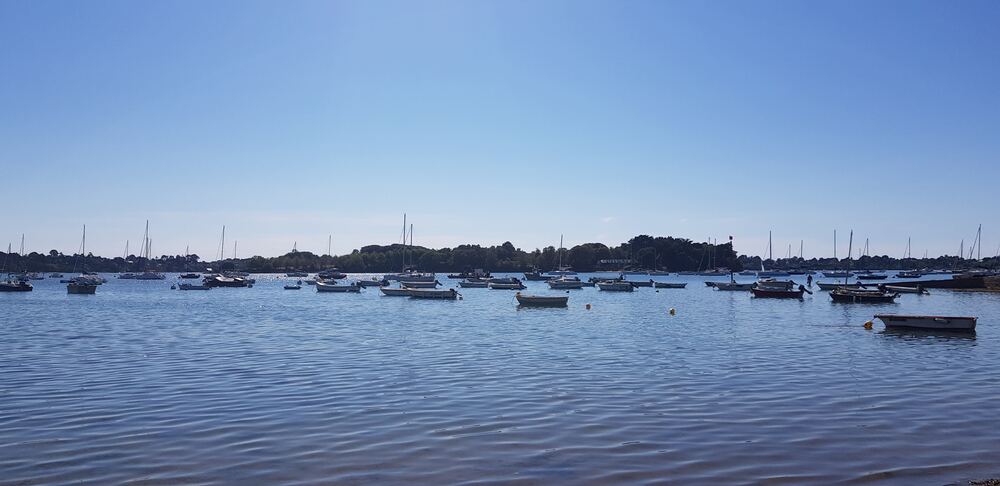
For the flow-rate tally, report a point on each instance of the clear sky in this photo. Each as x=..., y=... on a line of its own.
x=492, y=121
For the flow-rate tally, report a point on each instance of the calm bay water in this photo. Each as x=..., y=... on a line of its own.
x=141, y=383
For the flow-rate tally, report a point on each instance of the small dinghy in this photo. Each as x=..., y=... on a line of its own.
x=641, y=283
x=669, y=285
x=372, y=283
x=83, y=288
x=943, y=323
x=420, y=284
x=765, y=292
x=831, y=286
x=899, y=289
x=565, y=283
x=325, y=287
x=474, y=284
x=615, y=286
x=862, y=296
x=733, y=286
x=450, y=294
x=507, y=286
x=187, y=286
x=293, y=287
x=394, y=292
x=541, y=300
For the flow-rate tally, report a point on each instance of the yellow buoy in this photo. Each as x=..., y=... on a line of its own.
x=587, y=306
x=673, y=311
x=868, y=325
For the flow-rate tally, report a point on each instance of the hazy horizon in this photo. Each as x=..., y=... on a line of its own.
x=488, y=122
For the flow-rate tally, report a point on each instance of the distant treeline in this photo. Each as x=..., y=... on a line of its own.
x=640, y=252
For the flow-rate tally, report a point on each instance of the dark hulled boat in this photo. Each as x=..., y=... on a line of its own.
x=15, y=286
x=862, y=296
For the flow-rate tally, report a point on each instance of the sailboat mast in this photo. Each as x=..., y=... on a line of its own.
x=329, y=245
x=560, y=251
x=801, y=246
x=835, y=245
x=770, y=250
x=850, y=244
x=83, y=251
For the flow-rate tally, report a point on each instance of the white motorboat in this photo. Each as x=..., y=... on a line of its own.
x=325, y=287
x=474, y=284
x=615, y=286
x=565, y=283
x=395, y=292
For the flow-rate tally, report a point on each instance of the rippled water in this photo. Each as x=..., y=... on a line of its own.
x=140, y=383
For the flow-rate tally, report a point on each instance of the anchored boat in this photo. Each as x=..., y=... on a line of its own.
x=946, y=323
x=450, y=294
x=669, y=285
x=541, y=300
x=325, y=287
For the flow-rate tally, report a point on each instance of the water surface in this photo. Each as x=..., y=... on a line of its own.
x=141, y=383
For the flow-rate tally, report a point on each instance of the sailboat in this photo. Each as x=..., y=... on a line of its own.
x=84, y=284
x=561, y=270
x=145, y=256
x=770, y=256
x=125, y=273
x=12, y=285
x=860, y=295
x=408, y=273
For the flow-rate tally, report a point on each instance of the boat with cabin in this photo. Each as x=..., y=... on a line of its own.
x=85, y=284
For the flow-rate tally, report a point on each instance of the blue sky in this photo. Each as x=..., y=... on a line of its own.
x=493, y=121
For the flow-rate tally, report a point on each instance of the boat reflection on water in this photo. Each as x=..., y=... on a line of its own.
x=929, y=336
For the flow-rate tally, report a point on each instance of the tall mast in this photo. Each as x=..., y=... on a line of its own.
x=849, y=245
x=835, y=245
x=770, y=252
x=403, y=269
x=83, y=252
x=329, y=245
x=560, y=251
